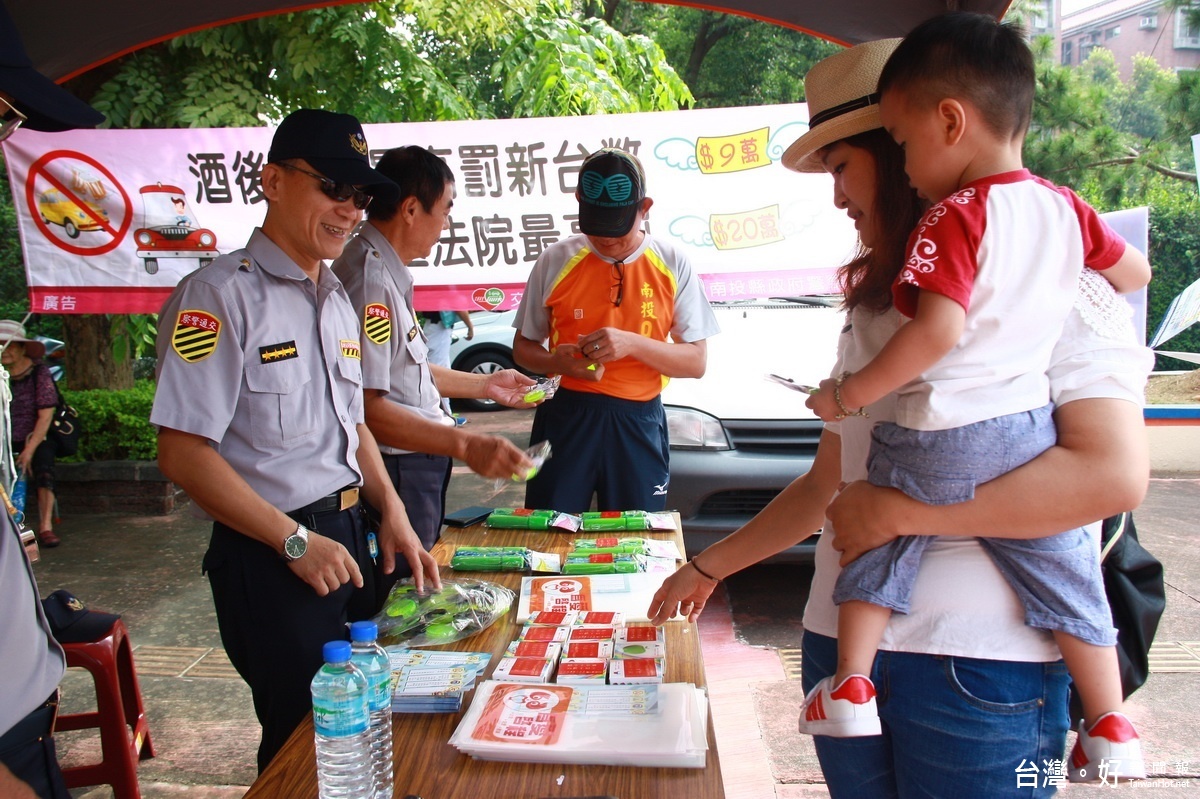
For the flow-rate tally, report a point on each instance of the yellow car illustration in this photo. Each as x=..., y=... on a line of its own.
x=57, y=209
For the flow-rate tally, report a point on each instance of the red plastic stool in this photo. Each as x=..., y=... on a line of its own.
x=118, y=711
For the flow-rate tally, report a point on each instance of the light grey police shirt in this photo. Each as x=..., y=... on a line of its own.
x=395, y=353
x=265, y=363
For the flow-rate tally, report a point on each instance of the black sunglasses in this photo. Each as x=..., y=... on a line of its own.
x=617, y=290
x=338, y=192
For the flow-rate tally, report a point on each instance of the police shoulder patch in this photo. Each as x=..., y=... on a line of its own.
x=377, y=323
x=350, y=348
x=196, y=335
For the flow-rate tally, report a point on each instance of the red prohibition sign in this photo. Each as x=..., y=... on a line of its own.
x=40, y=168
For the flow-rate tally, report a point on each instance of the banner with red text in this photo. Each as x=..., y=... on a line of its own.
x=110, y=220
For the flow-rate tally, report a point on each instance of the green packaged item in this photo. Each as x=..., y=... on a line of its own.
x=428, y=617
x=520, y=520
x=490, y=559
x=594, y=546
x=630, y=520
x=600, y=564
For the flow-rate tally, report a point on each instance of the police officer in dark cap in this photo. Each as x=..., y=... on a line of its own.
x=33, y=661
x=259, y=408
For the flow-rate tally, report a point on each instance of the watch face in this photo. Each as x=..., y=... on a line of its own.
x=295, y=546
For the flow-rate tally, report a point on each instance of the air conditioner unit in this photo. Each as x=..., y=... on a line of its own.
x=1148, y=23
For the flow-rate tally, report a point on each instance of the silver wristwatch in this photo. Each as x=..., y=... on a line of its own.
x=296, y=544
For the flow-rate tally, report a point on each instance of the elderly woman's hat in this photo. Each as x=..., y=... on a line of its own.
x=15, y=331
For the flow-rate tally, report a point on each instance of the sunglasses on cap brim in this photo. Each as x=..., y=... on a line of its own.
x=338, y=192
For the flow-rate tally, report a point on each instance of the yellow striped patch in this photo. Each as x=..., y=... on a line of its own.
x=377, y=323
x=196, y=334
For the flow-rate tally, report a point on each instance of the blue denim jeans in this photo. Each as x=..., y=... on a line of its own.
x=952, y=727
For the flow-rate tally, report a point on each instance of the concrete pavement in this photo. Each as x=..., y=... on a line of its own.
x=205, y=734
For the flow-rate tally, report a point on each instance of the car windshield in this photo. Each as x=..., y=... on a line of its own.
x=167, y=209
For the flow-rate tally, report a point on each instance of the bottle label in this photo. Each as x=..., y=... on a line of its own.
x=381, y=692
x=340, y=717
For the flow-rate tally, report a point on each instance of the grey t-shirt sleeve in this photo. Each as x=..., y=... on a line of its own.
x=694, y=317
x=533, y=318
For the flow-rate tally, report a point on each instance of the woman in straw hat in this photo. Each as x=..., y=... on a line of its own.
x=970, y=694
x=34, y=398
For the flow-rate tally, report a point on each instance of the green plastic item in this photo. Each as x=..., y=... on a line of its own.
x=594, y=546
x=609, y=521
x=600, y=564
x=490, y=559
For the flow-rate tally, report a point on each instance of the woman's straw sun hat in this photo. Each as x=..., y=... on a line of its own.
x=15, y=331
x=842, y=101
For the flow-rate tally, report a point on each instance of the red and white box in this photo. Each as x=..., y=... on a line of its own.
x=535, y=633
x=517, y=669
x=587, y=649
x=640, y=634
x=601, y=618
x=546, y=650
x=635, y=671
x=637, y=649
x=554, y=618
x=592, y=634
x=589, y=671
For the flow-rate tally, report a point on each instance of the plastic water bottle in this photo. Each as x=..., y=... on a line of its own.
x=18, y=497
x=341, y=720
x=370, y=657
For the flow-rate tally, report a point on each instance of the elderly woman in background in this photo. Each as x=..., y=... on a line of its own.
x=34, y=397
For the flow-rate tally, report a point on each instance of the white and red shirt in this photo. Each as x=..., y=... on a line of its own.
x=1009, y=248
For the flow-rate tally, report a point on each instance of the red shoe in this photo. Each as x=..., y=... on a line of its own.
x=847, y=711
x=48, y=539
x=1111, y=749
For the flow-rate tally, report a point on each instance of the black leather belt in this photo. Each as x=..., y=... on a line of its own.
x=37, y=725
x=336, y=502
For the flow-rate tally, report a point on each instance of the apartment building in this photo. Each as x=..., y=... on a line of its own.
x=1127, y=27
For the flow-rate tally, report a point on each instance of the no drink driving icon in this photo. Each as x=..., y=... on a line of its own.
x=77, y=203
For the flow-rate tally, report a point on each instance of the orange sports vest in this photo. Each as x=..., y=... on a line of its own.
x=580, y=302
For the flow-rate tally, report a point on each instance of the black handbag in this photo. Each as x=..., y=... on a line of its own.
x=64, y=428
x=1133, y=581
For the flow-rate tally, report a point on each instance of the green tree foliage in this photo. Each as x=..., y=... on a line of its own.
x=556, y=65
x=1175, y=254
x=1116, y=139
x=116, y=424
x=411, y=60
x=726, y=60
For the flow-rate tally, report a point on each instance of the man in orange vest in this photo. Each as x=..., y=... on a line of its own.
x=616, y=313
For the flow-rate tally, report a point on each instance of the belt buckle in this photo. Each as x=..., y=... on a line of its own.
x=349, y=497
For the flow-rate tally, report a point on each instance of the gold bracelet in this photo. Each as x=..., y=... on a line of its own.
x=837, y=397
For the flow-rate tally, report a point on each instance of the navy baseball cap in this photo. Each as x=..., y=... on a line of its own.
x=334, y=145
x=72, y=622
x=612, y=186
x=46, y=105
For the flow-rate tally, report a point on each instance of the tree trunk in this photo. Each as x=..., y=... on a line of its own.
x=89, y=358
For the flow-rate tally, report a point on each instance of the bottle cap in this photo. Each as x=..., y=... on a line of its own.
x=364, y=631
x=336, y=652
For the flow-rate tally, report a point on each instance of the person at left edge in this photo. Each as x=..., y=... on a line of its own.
x=33, y=661
x=259, y=410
